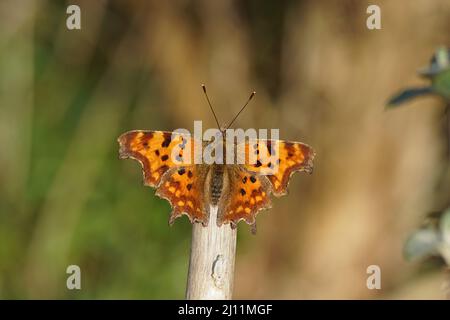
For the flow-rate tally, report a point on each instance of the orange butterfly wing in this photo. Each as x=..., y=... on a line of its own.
x=278, y=160
x=168, y=168
x=183, y=187
x=248, y=194
x=265, y=167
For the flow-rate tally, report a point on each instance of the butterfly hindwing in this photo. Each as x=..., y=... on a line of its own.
x=248, y=194
x=183, y=187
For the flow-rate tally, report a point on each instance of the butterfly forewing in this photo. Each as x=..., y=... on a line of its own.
x=277, y=160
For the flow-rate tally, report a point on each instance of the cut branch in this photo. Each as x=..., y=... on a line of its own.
x=211, y=265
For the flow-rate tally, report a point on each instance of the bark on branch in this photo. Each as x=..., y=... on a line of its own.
x=211, y=265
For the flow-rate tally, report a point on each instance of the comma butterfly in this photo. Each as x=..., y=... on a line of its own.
x=239, y=191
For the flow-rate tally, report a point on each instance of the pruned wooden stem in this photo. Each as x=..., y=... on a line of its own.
x=446, y=284
x=211, y=264
x=447, y=111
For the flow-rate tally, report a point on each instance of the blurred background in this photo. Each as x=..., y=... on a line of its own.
x=321, y=77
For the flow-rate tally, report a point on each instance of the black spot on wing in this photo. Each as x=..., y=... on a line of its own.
x=167, y=139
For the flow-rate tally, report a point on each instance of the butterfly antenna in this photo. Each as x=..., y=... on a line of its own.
x=242, y=109
x=210, y=106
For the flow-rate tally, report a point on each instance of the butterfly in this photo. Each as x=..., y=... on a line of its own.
x=238, y=190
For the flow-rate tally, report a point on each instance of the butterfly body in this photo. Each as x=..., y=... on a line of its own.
x=216, y=184
x=239, y=190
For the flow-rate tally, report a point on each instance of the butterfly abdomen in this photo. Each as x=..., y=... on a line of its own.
x=216, y=183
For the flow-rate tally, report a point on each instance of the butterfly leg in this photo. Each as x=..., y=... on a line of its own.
x=253, y=228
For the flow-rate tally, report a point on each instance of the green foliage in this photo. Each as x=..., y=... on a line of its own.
x=79, y=203
x=438, y=73
x=431, y=240
x=421, y=244
x=434, y=238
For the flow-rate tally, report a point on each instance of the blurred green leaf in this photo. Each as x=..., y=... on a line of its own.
x=441, y=84
x=438, y=72
x=422, y=243
x=408, y=94
x=438, y=63
x=445, y=227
